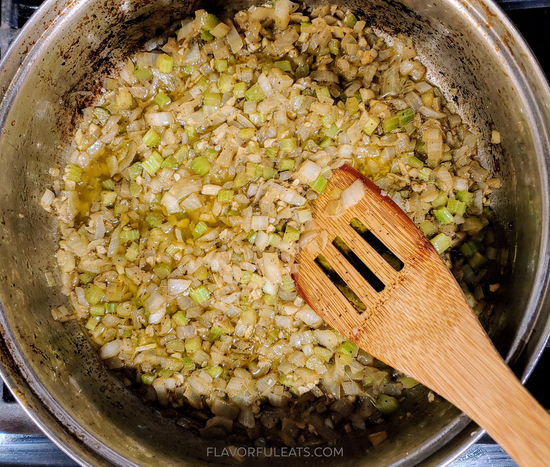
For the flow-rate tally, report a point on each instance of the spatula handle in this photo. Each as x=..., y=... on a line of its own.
x=492, y=396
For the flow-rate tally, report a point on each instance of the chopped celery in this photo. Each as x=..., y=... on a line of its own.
x=371, y=125
x=350, y=20
x=469, y=248
x=456, y=207
x=441, y=200
x=269, y=300
x=92, y=323
x=285, y=164
x=428, y=228
x=180, y=319
x=240, y=180
x=302, y=71
x=391, y=123
x=175, y=345
x=142, y=74
x=255, y=93
x=201, y=165
x=135, y=189
x=93, y=294
x=148, y=378
x=334, y=46
x=111, y=308
x=466, y=197
x=74, y=173
x=212, y=98
x=291, y=234
x=319, y=184
x=135, y=170
x=274, y=239
x=152, y=163
x=283, y=65
x=86, y=277
x=108, y=185
x=331, y=132
x=288, y=145
x=408, y=382
x=192, y=344
x=162, y=99
x=181, y=154
x=477, y=260
x=97, y=310
x=201, y=273
x=352, y=106
x=305, y=27
x=415, y=162
x=162, y=270
x=239, y=90
x=170, y=163
x=268, y=173
x=386, y=404
x=225, y=84
x=245, y=277
x=215, y=333
x=346, y=348
x=165, y=63
x=246, y=134
x=200, y=229
x=151, y=138
x=443, y=215
x=225, y=196
x=129, y=235
x=271, y=152
x=206, y=36
x=132, y=252
x=200, y=294
x=288, y=284
x=405, y=116
x=108, y=198
x=252, y=237
x=323, y=94
x=124, y=100
x=210, y=22
x=210, y=154
x=220, y=65
x=215, y=371
x=441, y=242
x=424, y=174
x=154, y=219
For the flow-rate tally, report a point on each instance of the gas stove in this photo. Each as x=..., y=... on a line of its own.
x=22, y=442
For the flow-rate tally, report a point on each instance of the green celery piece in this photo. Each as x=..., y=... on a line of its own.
x=319, y=184
x=405, y=116
x=200, y=295
x=443, y=215
x=135, y=170
x=142, y=74
x=93, y=294
x=255, y=93
x=291, y=234
x=200, y=229
x=283, y=65
x=162, y=99
x=154, y=219
x=201, y=165
x=371, y=125
x=441, y=242
x=165, y=63
x=391, y=123
x=151, y=138
x=153, y=163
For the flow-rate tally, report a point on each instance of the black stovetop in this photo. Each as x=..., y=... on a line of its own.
x=20, y=440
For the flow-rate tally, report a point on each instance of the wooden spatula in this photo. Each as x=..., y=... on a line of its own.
x=420, y=323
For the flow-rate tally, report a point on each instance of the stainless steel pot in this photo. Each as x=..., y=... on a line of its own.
x=482, y=64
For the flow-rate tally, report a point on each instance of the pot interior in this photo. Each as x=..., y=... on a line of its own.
x=60, y=76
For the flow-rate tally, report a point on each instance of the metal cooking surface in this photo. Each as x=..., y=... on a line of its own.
x=20, y=440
